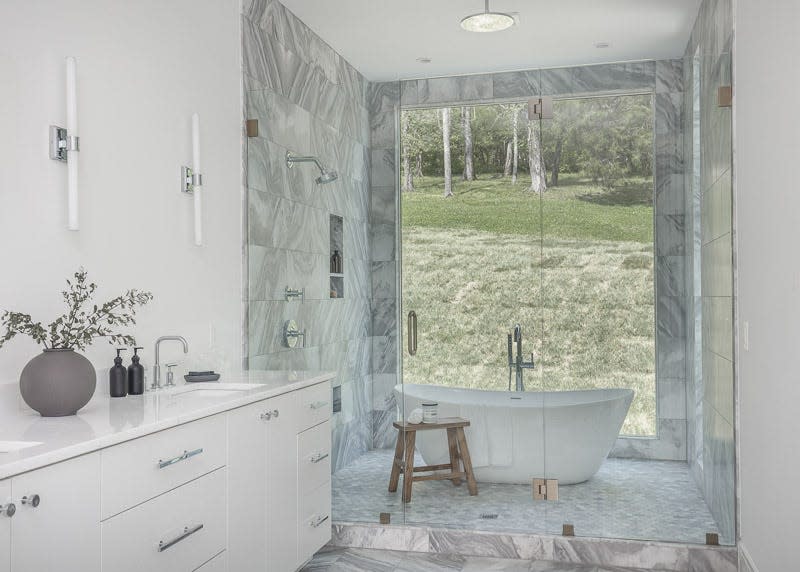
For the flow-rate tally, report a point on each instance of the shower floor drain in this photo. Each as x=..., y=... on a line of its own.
x=488, y=515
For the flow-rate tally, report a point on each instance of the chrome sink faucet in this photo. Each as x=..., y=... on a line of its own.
x=157, y=367
x=516, y=364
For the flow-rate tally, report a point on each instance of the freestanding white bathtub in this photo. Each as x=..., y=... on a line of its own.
x=517, y=436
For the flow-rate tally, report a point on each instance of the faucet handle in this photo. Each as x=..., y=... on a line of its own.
x=170, y=375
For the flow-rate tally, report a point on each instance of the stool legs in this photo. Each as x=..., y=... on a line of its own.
x=452, y=444
x=408, y=468
x=467, y=461
x=398, y=458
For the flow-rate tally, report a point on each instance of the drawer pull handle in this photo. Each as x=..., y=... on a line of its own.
x=33, y=500
x=317, y=457
x=187, y=532
x=318, y=404
x=179, y=458
x=267, y=415
x=318, y=521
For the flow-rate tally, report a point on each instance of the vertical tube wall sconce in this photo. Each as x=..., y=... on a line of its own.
x=63, y=143
x=192, y=181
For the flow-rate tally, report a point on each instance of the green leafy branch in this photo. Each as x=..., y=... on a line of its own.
x=81, y=324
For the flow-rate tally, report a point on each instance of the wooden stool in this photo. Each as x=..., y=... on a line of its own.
x=459, y=452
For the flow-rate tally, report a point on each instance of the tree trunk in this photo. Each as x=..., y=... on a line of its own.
x=507, y=165
x=538, y=174
x=418, y=170
x=556, y=163
x=448, y=174
x=515, y=152
x=469, y=165
x=408, y=176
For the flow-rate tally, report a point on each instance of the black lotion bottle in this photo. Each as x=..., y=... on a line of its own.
x=118, y=377
x=136, y=374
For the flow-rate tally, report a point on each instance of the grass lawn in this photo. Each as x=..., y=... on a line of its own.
x=581, y=286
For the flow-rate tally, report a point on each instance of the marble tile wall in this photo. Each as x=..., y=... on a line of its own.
x=665, y=80
x=672, y=557
x=711, y=365
x=308, y=100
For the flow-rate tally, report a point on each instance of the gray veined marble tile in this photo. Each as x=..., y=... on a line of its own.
x=384, y=317
x=671, y=356
x=280, y=120
x=621, y=553
x=670, y=235
x=383, y=168
x=669, y=76
x=613, y=77
x=671, y=315
x=384, y=353
x=716, y=559
x=455, y=89
x=408, y=92
x=519, y=84
x=668, y=113
x=483, y=564
x=384, y=279
x=383, y=242
x=670, y=193
x=671, y=398
x=426, y=562
x=383, y=209
x=266, y=166
x=383, y=97
x=382, y=130
x=381, y=537
x=671, y=275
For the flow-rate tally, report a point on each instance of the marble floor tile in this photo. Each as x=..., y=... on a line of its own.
x=362, y=560
x=628, y=499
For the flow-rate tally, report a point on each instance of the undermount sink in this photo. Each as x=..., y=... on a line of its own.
x=212, y=389
x=14, y=446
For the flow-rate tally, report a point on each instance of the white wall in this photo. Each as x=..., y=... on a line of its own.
x=144, y=67
x=768, y=149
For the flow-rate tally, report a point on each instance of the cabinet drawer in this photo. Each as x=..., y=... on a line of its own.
x=314, y=529
x=314, y=450
x=176, y=532
x=144, y=468
x=315, y=405
x=217, y=564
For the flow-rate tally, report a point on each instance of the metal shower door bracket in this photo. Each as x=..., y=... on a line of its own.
x=545, y=489
x=540, y=108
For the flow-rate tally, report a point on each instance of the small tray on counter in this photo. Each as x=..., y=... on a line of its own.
x=201, y=376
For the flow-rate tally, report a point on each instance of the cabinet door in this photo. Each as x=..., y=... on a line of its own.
x=63, y=531
x=281, y=477
x=247, y=485
x=5, y=525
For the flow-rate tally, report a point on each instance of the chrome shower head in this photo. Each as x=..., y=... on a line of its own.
x=326, y=175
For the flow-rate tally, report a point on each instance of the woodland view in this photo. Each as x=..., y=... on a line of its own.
x=546, y=223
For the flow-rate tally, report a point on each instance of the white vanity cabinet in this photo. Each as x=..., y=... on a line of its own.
x=279, y=480
x=8, y=509
x=57, y=520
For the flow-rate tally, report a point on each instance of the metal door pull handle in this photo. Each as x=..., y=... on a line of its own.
x=318, y=404
x=185, y=455
x=317, y=457
x=187, y=532
x=319, y=521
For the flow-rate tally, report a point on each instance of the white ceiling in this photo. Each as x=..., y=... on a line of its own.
x=383, y=38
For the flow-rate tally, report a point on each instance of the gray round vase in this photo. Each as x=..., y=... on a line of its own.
x=58, y=382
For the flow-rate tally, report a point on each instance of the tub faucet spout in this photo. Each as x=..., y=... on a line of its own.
x=516, y=363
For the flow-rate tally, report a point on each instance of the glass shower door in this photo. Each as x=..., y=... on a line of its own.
x=471, y=264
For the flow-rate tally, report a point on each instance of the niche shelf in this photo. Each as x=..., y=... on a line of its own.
x=336, y=240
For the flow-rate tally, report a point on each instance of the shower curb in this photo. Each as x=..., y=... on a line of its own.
x=662, y=556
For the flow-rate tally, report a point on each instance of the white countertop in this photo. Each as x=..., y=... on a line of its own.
x=107, y=421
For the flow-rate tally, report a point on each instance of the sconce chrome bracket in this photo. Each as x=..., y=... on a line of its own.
x=61, y=143
x=190, y=180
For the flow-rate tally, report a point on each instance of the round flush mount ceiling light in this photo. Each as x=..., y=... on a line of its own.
x=487, y=21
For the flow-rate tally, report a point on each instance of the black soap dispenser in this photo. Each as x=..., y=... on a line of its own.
x=136, y=374
x=118, y=377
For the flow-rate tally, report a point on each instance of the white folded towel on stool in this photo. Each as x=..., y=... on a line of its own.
x=415, y=416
